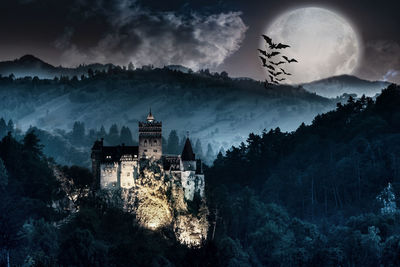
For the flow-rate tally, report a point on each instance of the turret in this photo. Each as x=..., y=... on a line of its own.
x=150, y=138
x=188, y=158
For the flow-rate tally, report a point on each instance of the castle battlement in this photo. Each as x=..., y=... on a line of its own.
x=118, y=166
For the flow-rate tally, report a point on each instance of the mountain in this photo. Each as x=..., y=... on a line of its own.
x=345, y=84
x=213, y=107
x=30, y=65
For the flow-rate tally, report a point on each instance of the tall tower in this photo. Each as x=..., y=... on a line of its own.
x=150, y=138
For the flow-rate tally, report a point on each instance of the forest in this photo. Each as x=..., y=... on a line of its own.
x=322, y=195
x=213, y=107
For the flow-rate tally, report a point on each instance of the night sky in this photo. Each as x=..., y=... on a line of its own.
x=220, y=35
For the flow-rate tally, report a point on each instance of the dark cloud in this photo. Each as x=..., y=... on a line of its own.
x=221, y=35
x=141, y=36
x=381, y=61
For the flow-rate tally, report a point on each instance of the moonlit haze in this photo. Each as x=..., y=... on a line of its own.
x=324, y=43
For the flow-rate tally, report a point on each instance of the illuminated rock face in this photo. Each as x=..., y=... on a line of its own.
x=158, y=201
x=163, y=191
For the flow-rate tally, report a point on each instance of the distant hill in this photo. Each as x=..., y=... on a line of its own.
x=345, y=84
x=30, y=65
x=213, y=107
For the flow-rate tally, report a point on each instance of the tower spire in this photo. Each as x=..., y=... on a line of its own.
x=150, y=117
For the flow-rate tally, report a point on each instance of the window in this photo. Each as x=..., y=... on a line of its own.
x=128, y=174
x=155, y=142
x=145, y=150
x=108, y=157
x=145, y=142
x=155, y=150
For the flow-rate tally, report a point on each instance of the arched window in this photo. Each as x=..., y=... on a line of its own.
x=155, y=142
x=145, y=142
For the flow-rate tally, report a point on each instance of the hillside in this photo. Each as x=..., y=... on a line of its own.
x=337, y=181
x=215, y=108
x=345, y=84
x=32, y=66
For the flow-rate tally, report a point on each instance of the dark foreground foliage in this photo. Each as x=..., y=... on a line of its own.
x=306, y=198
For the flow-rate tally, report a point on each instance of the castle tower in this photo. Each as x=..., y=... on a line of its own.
x=188, y=158
x=150, y=140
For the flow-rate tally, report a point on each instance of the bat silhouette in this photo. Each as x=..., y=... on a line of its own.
x=264, y=61
x=277, y=63
x=267, y=39
x=275, y=73
x=284, y=72
x=271, y=78
x=272, y=45
x=263, y=52
x=289, y=60
x=270, y=67
x=281, y=46
x=272, y=54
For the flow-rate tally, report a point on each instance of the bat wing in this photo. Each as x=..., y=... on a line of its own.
x=267, y=39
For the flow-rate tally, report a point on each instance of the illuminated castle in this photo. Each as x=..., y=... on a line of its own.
x=118, y=166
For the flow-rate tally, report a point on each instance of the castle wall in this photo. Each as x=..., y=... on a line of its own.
x=192, y=183
x=109, y=177
x=129, y=173
x=150, y=147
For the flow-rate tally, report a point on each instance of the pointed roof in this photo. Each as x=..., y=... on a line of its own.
x=150, y=117
x=187, y=153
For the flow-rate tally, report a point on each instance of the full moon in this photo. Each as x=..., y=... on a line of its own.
x=323, y=43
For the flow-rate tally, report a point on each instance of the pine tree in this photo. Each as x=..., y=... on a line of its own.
x=3, y=128
x=113, y=135
x=102, y=133
x=198, y=149
x=210, y=153
x=3, y=175
x=78, y=133
x=130, y=66
x=126, y=136
x=32, y=143
x=10, y=126
x=173, y=143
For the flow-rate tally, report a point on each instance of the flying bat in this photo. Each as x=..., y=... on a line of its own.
x=275, y=73
x=267, y=39
x=289, y=60
x=264, y=61
x=271, y=78
x=281, y=46
x=272, y=54
x=284, y=72
x=270, y=67
x=277, y=63
x=263, y=52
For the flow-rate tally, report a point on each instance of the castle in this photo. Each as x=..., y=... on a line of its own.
x=119, y=166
